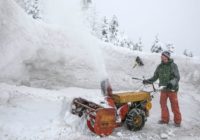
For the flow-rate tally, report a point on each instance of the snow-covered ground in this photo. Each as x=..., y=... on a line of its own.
x=44, y=66
x=30, y=113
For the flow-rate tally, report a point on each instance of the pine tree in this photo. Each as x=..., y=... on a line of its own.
x=187, y=53
x=138, y=46
x=113, y=29
x=131, y=45
x=105, y=30
x=122, y=40
x=32, y=8
x=86, y=4
x=170, y=47
x=108, y=31
x=157, y=46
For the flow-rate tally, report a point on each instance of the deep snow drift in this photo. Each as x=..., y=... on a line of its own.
x=49, y=56
x=68, y=60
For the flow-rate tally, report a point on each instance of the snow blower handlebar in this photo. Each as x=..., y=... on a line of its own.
x=137, y=78
x=154, y=89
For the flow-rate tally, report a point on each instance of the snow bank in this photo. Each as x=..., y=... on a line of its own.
x=60, y=54
x=120, y=64
x=36, y=54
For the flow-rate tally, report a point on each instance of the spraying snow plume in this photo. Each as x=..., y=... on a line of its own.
x=48, y=55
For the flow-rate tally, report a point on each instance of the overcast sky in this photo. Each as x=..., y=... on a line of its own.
x=175, y=21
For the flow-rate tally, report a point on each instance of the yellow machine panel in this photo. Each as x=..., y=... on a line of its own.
x=126, y=97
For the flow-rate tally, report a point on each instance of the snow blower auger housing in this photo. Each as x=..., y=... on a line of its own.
x=100, y=120
x=131, y=108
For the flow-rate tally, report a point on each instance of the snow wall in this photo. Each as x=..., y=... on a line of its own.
x=37, y=54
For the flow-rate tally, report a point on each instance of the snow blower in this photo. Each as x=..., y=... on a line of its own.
x=131, y=108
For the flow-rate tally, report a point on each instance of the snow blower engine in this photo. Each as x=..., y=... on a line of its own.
x=131, y=108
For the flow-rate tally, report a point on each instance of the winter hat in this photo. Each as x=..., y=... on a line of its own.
x=166, y=54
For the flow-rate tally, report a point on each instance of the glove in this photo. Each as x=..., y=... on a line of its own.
x=146, y=82
x=169, y=86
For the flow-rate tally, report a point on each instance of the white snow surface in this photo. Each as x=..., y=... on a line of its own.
x=46, y=63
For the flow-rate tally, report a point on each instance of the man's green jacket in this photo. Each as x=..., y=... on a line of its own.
x=167, y=73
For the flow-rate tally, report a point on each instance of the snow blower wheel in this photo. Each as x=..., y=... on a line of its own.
x=135, y=119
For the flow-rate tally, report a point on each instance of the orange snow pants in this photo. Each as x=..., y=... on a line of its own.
x=174, y=106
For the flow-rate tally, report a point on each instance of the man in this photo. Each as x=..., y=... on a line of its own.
x=168, y=74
